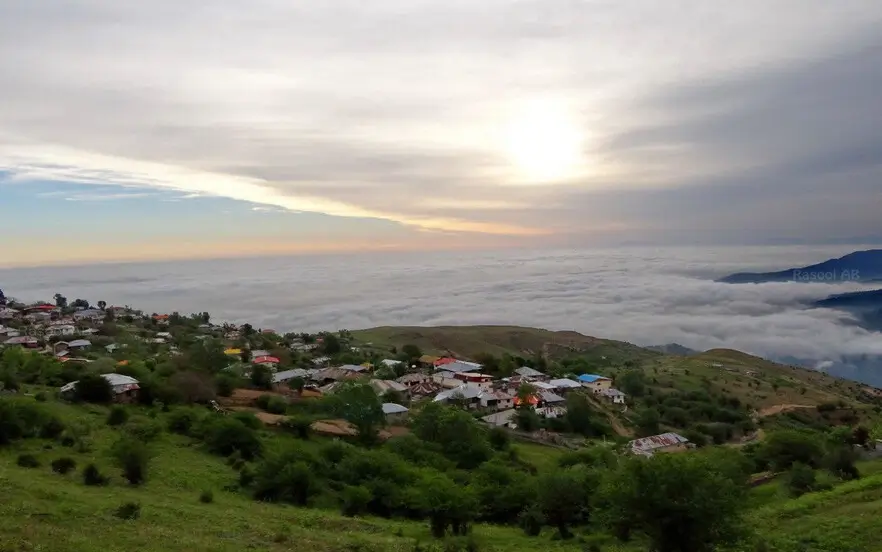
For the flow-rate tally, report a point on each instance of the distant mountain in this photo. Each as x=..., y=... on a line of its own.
x=673, y=349
x=866, y=306
x=860, y=266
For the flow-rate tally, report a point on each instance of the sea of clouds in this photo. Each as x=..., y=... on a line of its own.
x=645, y=296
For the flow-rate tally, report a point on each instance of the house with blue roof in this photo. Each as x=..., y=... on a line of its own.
x=595, y=383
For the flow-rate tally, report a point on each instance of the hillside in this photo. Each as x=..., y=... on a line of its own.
x=755, y=383
x=866, y=306
x=860, y=266
x=470, y=341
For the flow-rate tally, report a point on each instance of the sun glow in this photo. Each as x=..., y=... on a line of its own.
x=544, y=143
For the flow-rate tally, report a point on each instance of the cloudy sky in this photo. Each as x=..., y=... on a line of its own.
x=197, y=128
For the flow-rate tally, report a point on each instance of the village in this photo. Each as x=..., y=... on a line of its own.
x=75, y=334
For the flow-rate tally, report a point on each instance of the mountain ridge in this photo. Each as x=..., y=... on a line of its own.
x=858, y=266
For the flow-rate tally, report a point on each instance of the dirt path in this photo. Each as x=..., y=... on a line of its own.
x=779, y=408
x=610, y=416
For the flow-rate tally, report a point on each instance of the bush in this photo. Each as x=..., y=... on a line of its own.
x=531, y=521
x=41, y=396
x=355, y=501
x=132, y=457
x=206, y=497
x=226, y=384
x=128, y=510
x=52, y=428
x=801, y=479
x=228, y=435
x=183, y=420
x=246, y=477
x=498, y=438
x=298, y=426
x=144, y=429
x=27, y=461
x=63, y=465
x=248, y=419
x=93, y=478
x=118, y=416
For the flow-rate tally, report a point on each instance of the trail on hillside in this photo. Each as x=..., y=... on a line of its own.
x=617, y=425
x=779, y=408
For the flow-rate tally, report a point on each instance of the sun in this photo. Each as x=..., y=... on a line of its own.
x=544, y=143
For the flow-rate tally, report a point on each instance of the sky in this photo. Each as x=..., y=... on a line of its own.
x=204, y=128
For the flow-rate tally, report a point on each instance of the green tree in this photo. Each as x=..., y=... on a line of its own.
x=359, y=405
x=679, y=502
x=581, y=416
x=60, y=301
x=412, y=351
x=93, y=388
x=632, y=382
x=102, y=305
x=447, y=505
x=801, y=479
x=647, y=421
x=261, y=376
x=781, y=449
x=133, y=457
x=459, y=435
x=563, y=499
x=525, y=394
x=330, y=344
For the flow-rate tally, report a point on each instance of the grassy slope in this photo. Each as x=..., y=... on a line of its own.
x=40, y=510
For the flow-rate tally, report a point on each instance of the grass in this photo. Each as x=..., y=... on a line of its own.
x=42, y=510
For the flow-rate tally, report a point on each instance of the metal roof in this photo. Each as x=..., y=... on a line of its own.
x=79, y=343
x=647, y=445
x=459, y=366
x=528, y=372
x=286, y=375
x=119, y=382
x=564, y=383
x=591, y=378
x=393, y=408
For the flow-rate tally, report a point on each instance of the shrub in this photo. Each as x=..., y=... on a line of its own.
x=52, y=428
x=498, y=438
x=531, y=521
x=226, y=384
x=41, y=396
x=248, y=420
x=276, y=405
x=93, y=478
x=298, y=425
x=801, y=479
x=228, y=435
x=63, y=465
x=27, y=461
x=206, y=497
x=183, y=420
x=144, y=429
x=132, y=457
x=246, y=477
x=355, y=501
x=118, y=416
x=128, y=510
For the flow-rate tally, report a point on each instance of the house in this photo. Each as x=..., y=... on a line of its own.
x=394, y=412
x=259, y=353
x=484, y=380
x=410, y=380
x=498, y=400
x=503, y=418
x=354, y=368
x=89, y=315
x=442, y=361
x=233, y=352
x=125, y=388
x=424, y=389
x=8, y=332
x=666, y=442
x=446, y=380
x=594, y=382
x=333, y=374
x=458, y=366
x=563, y=385
x=613, y=395
x=428, y=361
x=549, y=398
x=474, y=396
x=390, y=363
x=384, y=386
x=79, y=344
x=25, y=341
x=529, y=374
x=7, y=313
x=160, y=318
x=60, y=330
x=163, y=335
x=270, y=361
x=321, y=361
x=38, y=317
x=287, y=375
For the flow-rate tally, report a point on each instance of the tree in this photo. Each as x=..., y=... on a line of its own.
x=446, y=504
x=526, y=393
x=93, y=388
x=647, y=422
x=800, y=480
x=261, y=376
x=359, y=405
x=581, y=416
x=133, y=457
x=562, y=498
x=102, y=305
x=228, y=435
x=80, y=304
x=458, y=434
x=861, y=436
x=781, y=449
x=60, y=301
x=330, y=344
x=679, y=502
x=412, y=351
x=194, y=387
x=526, y=419
x=632, y=382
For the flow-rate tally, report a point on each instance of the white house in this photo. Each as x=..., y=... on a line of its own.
x=614, y=395
x=60, y=330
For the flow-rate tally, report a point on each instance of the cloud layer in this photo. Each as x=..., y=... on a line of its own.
x=643, y=296
x=746, y=123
